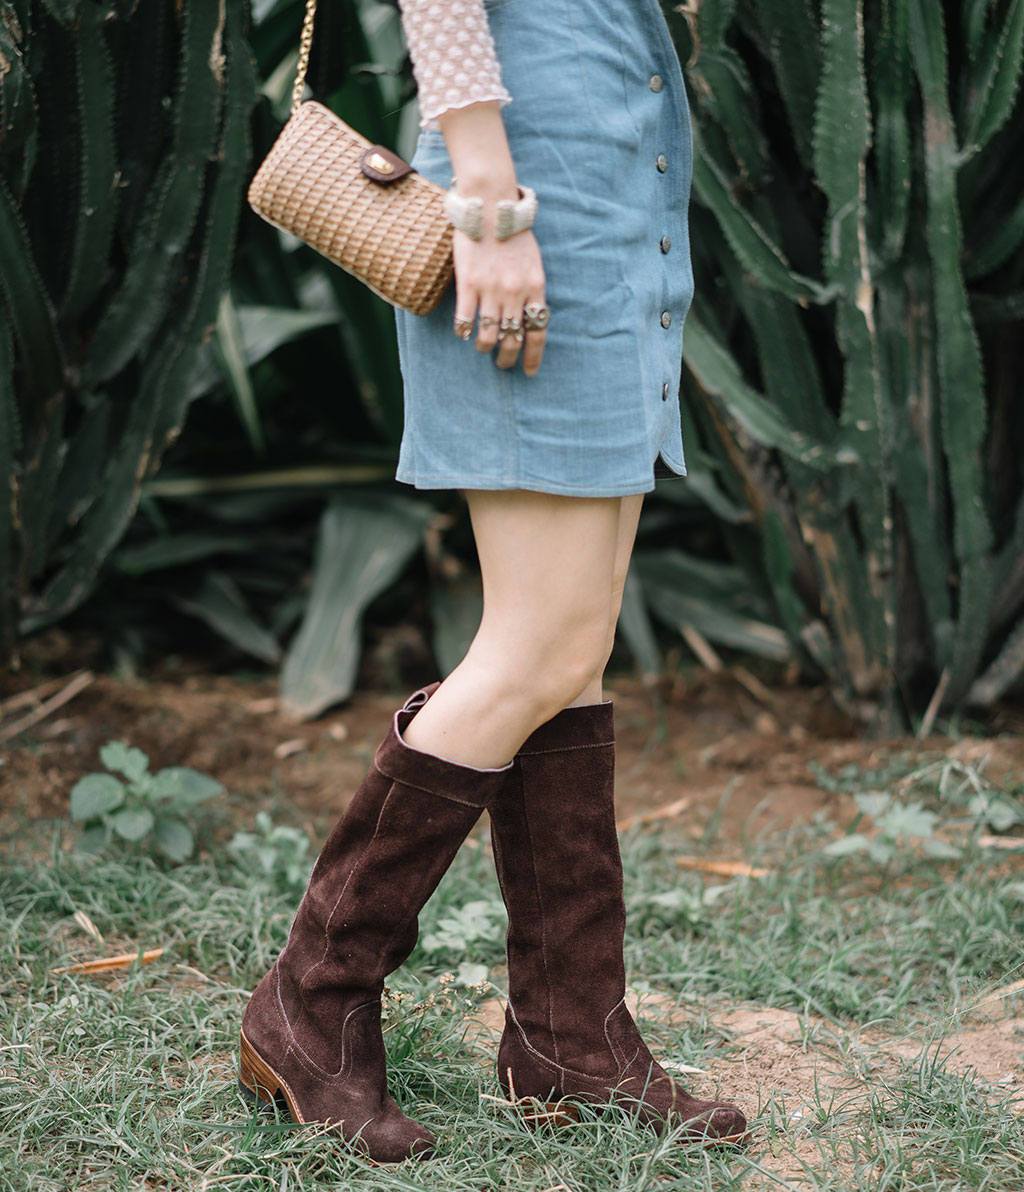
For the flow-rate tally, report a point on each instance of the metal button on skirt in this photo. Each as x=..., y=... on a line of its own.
x=599, y=126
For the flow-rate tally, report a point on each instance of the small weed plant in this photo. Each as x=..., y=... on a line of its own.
x=914, y=807
x=277, y=853
x=130, y=805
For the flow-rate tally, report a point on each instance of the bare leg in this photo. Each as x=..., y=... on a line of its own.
x=548, y=565
x=629, y=517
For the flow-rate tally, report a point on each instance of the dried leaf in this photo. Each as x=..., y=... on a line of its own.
x=721, y=868
x=109, y=963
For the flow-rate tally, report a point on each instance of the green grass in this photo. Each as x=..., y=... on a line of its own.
x=127, y=1081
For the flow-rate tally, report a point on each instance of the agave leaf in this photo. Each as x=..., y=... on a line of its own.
x=361, y=549
x=367, y=325
x=636, y=628
x=162, y=394
x=1000, y=240
x=720, y=376
x=177, y=550
x=39, y=478
x=261, y=330
x=961, y=379
x=147, y=292
x=992, y=92
x=107, y=518
x=1001, y=673
x=713, y=20
x=730, y=98
x=19, y=113
x=893, y=158
x=221, y=605
x=974, y=19
x=96, y=211
x=82, y=464
x=842, y=140
x=717, y=623
x=30, y=310
x=64, y=11
x=152, y=35
x=780, y=571
x=211, y=274
x=708, y=579
x=231, y=351
x=789, y=29
x=749, y=241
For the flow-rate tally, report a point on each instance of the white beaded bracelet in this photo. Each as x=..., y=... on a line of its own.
x=511, y=215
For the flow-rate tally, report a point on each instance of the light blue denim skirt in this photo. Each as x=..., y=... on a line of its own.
x=599, y=126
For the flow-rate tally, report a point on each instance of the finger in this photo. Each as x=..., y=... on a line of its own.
x=466, y=302
x=510, y=332
x=534, y=343
x=487, y=324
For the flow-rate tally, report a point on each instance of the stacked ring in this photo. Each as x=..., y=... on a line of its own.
x=511, y=327
x=536, y=316
x=463, y=327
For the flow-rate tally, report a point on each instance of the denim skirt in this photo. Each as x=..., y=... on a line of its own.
x=599, y=126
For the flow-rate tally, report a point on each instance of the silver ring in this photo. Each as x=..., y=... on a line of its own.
x=536, y=316
x=511, y=327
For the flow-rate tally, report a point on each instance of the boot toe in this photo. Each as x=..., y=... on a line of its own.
x=722, y=1122
x=391, y=1137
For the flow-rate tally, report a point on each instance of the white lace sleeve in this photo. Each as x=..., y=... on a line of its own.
x=453, y=56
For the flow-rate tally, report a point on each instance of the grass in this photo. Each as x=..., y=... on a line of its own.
x=127, y=1080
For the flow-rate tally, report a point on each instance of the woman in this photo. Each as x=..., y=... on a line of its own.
x=553, y=429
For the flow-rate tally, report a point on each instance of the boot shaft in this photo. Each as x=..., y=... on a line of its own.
x=358, y=919
x=557, y=854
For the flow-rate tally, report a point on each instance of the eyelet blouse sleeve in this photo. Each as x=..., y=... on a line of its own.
x=453, y=55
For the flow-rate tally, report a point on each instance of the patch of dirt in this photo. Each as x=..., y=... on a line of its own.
x=706, y=750
x=814, y=1077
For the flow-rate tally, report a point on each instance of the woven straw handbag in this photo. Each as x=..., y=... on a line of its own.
x=359, y=204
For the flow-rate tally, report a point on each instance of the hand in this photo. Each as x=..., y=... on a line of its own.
x=494, y=280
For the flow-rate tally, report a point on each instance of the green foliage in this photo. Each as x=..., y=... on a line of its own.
x=849, y=1090
x=898, y=825
x=913, y=807
x=275, y=852
x=119, y=196
x=852, y=397
x=853, y=432
x=139, y=808
x=465, y=925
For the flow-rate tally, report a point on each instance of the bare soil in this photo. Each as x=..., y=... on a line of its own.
x=704, y=750
x=707, y=747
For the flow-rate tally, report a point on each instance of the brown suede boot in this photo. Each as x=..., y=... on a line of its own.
x=568, y=1033
x=311, y=1035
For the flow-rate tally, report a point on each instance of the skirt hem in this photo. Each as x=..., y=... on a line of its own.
x=541, y=486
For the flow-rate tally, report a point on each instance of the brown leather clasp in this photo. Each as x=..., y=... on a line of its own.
x=381, y=165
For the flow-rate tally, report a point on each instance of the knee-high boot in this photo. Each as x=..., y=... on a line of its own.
x=311, y=1034
x=568, y=1032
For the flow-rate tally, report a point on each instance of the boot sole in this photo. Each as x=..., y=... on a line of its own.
x=258, y=1080
x=536, y=1114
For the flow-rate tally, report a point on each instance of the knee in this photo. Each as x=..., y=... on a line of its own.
x=562, y=666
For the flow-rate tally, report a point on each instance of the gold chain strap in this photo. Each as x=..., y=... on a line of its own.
x=305, y=45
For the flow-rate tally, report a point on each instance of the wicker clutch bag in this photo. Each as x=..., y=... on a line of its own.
x=357, y=203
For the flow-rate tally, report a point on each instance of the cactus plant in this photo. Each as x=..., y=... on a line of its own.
x=123, y=152
x=858, y=233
